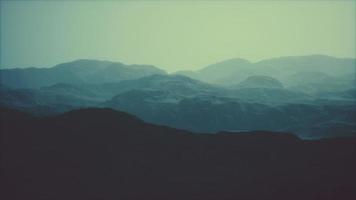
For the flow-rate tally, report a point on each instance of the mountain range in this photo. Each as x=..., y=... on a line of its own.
x=75, y=72
x=302, y=68
x=311, y=96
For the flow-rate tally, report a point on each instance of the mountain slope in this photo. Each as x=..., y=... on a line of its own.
x=212, y=114
x=217, y=72
x=101, y=153
x=285, y=69
x=260, y=82
x=173, y=83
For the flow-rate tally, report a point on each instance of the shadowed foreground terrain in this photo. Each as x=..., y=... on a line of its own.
x=105, y=154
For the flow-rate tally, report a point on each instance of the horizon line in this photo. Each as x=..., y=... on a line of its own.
x=175, y=71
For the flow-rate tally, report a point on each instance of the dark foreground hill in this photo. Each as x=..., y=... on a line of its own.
x=104, y=154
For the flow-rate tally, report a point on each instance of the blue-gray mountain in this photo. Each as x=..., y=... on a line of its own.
x=260, y=82
x=312, y=96
x=76, y=72
x=312, y=74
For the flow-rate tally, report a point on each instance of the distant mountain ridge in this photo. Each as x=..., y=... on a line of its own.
x=215, y=72
x=233, y=71
x=292, y=94
x=288, y=70
x=75, y=72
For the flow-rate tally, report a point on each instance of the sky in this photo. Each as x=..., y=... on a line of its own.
x=172, y=35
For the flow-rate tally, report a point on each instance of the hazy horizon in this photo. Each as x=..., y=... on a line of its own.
x=173, y=71
x=173, y=35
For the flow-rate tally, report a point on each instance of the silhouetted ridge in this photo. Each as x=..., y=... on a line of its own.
x=99, y=113
x=101, y=153
x=263, y=135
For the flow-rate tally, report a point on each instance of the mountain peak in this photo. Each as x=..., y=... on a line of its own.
x=230, y=63
x=76, y=72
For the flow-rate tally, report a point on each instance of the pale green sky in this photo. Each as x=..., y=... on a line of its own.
x=173, y=35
